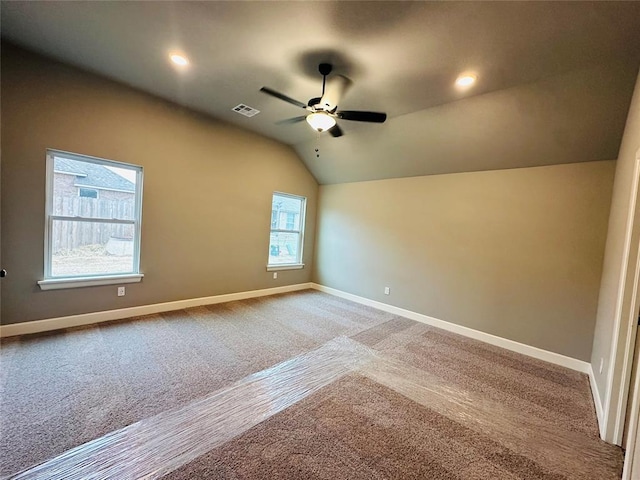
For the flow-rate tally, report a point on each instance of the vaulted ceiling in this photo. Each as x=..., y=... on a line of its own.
x=554, y=79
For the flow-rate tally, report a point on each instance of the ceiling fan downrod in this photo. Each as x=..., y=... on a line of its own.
x=324, y=69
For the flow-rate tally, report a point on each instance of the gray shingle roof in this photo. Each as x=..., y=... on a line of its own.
x=93, y=175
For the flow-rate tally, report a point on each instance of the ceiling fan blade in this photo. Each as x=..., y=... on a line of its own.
x=335, y=131
x=336, y=88
x=282, y=96
x=358, y=116
x=288, y=121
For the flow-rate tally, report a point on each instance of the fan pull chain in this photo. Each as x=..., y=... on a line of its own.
x=317, y=144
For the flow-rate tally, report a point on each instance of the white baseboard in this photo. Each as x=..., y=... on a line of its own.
x=38, y=326
x=535, y=352
x=596, y=400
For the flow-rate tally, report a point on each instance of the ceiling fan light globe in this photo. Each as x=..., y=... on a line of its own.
x=321, y=121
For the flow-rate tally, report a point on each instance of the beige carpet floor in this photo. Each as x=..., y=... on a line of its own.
x=358, y=429
x=61, y=390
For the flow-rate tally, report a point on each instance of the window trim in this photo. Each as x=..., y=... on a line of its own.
x=93, y=281
x=303, y=219
x=49, y=282
x=284, y=266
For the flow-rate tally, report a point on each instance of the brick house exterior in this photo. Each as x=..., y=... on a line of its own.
x=70, y=177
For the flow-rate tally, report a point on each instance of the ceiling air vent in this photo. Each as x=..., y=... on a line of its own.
x=245, y=110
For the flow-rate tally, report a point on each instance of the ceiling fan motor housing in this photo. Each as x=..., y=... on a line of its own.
x=314, y=101
x=325, y=69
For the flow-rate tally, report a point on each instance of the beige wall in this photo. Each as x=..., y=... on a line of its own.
x=515, y=253
x=207, y=189
x=616, y=286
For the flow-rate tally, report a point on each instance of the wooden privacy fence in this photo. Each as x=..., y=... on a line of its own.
x=69, y=235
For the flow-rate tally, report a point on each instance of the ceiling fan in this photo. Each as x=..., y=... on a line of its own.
x=323, y=111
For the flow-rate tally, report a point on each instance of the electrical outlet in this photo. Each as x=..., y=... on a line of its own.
x=601, y=365
x=275, y=274
x=121, y=291
x=387, y=290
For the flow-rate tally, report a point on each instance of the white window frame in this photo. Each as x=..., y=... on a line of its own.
x=53, y=283
x=271, y=267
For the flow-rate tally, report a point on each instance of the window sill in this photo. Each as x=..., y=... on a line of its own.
x=290, y=266
x=78, y=282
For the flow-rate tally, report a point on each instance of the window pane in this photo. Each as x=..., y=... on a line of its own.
x=286, y=212
x=283, y=248
x=87, y=248
x=89, y=193
x=93, y=190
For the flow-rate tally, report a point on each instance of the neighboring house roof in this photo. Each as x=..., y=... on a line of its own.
x=93, y=175
x=287, y=204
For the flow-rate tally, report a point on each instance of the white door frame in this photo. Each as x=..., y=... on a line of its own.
x=633, y=435
x=624, y=336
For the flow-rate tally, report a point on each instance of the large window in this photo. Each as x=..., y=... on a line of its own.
x=287, y=231
x=93, y=215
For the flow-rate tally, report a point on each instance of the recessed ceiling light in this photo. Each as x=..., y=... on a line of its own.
x=465, y=80
x=179, y=60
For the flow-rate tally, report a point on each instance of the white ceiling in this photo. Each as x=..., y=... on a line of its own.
x=554, y=78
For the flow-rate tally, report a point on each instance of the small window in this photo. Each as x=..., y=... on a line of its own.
x=291, y=219
x=287, y=230
x=88, y=193
x=93, y=218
